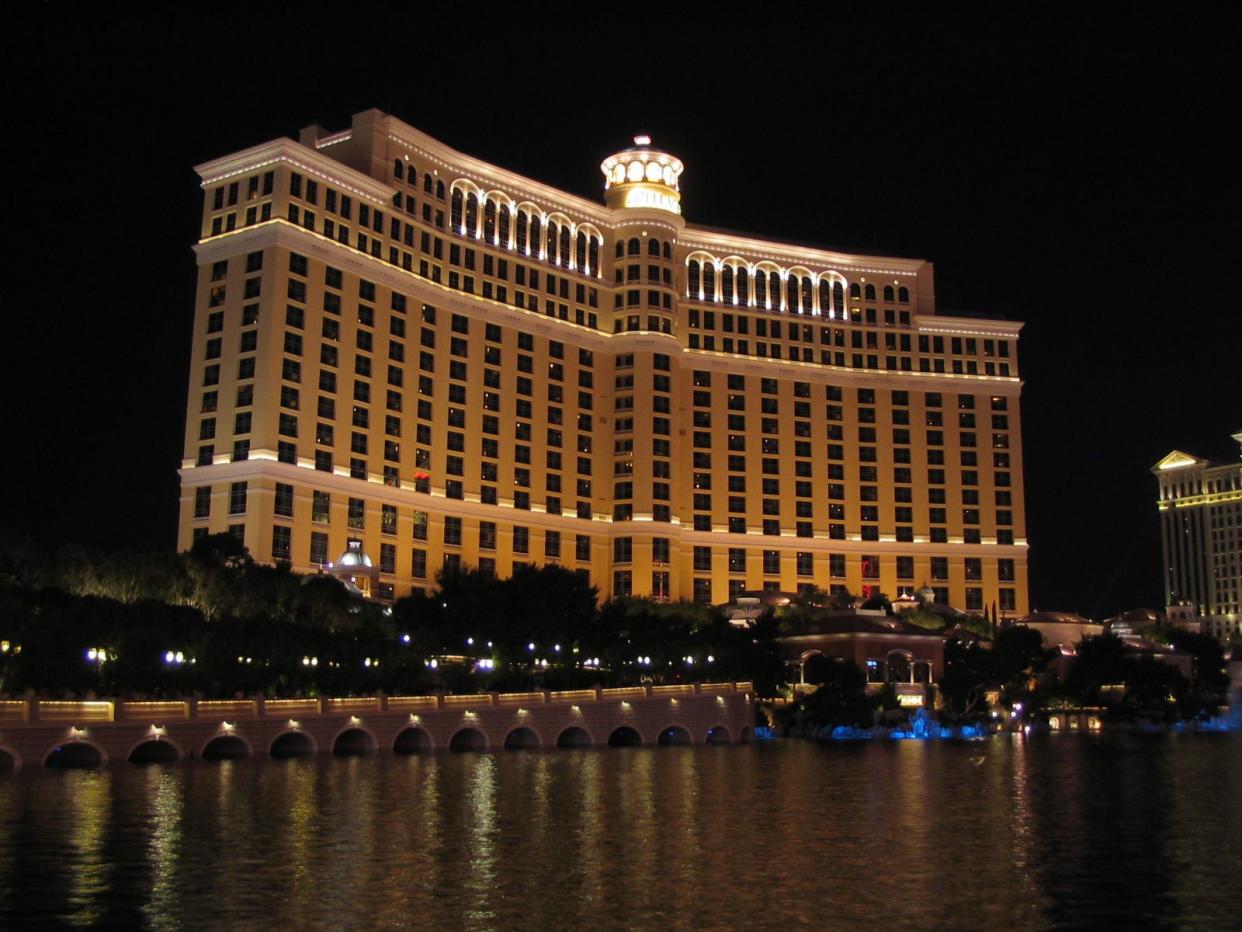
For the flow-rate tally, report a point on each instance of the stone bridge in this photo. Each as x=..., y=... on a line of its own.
x=91, y=734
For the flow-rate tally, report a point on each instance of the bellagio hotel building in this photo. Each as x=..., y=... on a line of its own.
x=453, y=364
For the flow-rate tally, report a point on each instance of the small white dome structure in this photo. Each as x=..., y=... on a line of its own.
x=354, y=568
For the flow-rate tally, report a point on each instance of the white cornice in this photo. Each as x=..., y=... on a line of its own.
x=752, y=247
x=306, y=159
x=967, y=326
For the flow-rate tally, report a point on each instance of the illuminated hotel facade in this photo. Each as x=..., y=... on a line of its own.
x=1201, y=537
x=399, y=344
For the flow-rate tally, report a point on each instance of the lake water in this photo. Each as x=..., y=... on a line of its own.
x=1012, y=833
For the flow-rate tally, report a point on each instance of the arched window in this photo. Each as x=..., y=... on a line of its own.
x=870, y=293
x=455, y=211
x=398, y=169
x=653, y=248
x=580, y=254
x=899, y=667
x=838, y=298
x=439, y=190
x=503, y=233
x=565, y=246
x=825, y=297
x=668, y=250
x=726, y=284
x=521, y=231
x=489, y=221
x=692, y=278
x=855, y=290
x=888, y=293
x=550, y=240
x=903, y=295
x=410, y=174
x=808, y=300
x=620, y=249
x=534, y=235
x=761, y=288
x=427, y=183
x=633, y=248
x=594, y=255
x=791, y=293
x=743, y=287
x=472, y=215
x=709, y=282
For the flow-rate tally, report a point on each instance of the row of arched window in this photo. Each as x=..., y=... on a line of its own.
x=403, y=171
x=552, y=237
x=523, y=227
x=634, y=247
x=775, y=289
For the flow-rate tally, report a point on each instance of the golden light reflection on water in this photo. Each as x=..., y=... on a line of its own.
x=480, y=832
x=1022, y=824
x=587, y=817
x=165, y=807
x=294, y=783
x=90, y=803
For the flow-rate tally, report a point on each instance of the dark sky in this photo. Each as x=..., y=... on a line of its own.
x=1072, y=174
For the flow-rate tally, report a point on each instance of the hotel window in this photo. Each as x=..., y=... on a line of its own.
x=702, y=591
x=521, y=539
x=771, y=562
x=284, y=500
x=702, y=558
x=237, y=498
x=318, y=548
x=356, y=514
x=202, y=501
x=487, y=535
x=321, y=506
x=452, y=531
x=282, y=538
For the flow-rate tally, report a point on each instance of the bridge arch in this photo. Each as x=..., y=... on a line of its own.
x=354, y=741
x=674, y=735
x=75, y=754
x=155, y=749
x=625, y=736
x=746, y=735
x=574, y=736
x=523, y=738
x=413, y=740
x=468, y=738
x=292, y=743
x=225, y=746
x=9, y=759
x=719, y=734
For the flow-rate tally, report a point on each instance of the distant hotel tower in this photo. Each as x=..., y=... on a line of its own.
x=455, y=364
x=1201, y=535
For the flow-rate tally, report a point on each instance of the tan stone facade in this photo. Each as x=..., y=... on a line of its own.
x=397, y=342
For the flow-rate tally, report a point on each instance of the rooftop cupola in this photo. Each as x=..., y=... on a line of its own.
x=642, y=178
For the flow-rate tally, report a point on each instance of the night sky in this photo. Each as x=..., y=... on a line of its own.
x=1075, y=175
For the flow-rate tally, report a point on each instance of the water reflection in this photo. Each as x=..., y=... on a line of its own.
x=166, y=802
x=1068, y=830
